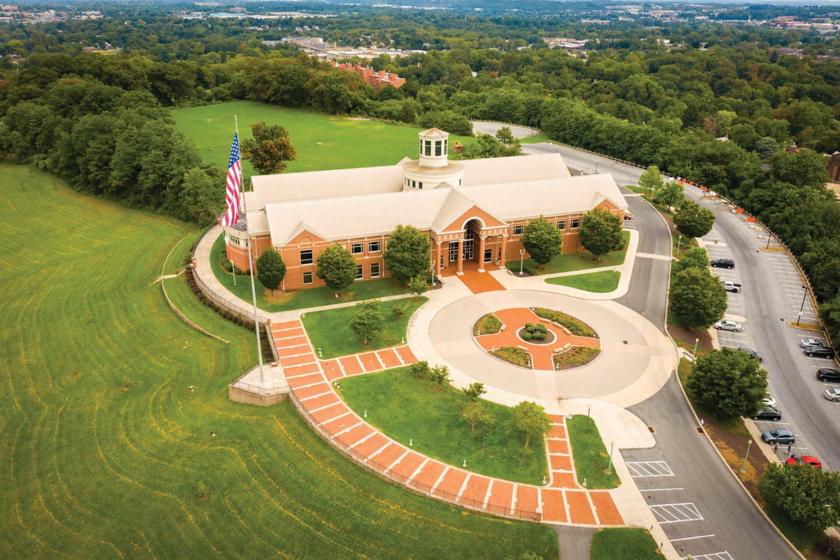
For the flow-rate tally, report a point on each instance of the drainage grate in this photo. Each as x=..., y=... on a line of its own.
x=651, y=430
x=699, y=430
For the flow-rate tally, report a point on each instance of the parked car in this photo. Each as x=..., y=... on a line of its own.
x=768, y=413
x=807, y=342
x=832, y=394
x=809, y=460
x=769, y=401
x=779, y=436
x=628, y=215
x=818, y=352
x=828, y=374
x=727, y=325
x=752, y=353
x=722, y=263
x=731, y=286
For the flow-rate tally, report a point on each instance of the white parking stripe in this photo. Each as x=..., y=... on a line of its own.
x=676, y=513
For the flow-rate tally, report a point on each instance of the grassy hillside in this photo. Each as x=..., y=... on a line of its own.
x=116, y=436
x=322, y=141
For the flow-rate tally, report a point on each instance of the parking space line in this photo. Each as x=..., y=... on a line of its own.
x=692, y=538
x=711, y=556
x=676, y=513
x=646, y=469
x=660, y=489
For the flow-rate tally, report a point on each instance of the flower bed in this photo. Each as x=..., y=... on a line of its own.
x=575, y=356
x=516, y=356
x=488, y=324
x=575, y=326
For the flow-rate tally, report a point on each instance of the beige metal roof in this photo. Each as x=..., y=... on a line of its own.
x=375, y=214
x=514, y=168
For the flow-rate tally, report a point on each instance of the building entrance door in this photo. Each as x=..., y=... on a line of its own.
x=469, y=244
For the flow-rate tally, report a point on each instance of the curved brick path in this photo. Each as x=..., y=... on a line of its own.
x=562, y=500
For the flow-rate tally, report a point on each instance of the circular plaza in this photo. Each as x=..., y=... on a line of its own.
x=628, y=362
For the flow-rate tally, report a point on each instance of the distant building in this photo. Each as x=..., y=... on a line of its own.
x=474, y=212
x=371, y=77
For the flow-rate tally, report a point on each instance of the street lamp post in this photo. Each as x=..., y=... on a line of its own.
x=802, y=305
x=521, y=260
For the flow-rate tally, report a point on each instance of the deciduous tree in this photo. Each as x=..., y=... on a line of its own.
x=807, y=495
x=728, y=383
x=693, y=220
x=651, y=180
x=600, y=232
x=542, y=240
x=531, y=419
x=407, y=254
x=367, y=321
x=336, y=267
x=476, y=415
x=671, y=194
x=270, y=148
x=270, y=269
x=697, y=298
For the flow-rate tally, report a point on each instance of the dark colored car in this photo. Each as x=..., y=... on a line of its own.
x=829, y=374
x=722, y=263
x=779, y=436
x=751, y=352
x=768, y=413
x=818, y=352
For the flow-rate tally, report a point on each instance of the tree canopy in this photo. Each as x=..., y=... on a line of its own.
x=542, y=240
x=697, y=298
x=270, y=148
x=600, y=232
x=729, y=383
x=336, y=267
x=270, y=269
x=692, y=220
x=407, y=254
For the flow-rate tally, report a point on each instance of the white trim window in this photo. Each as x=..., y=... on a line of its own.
x=374, y=246
x=307, y=277
x=561, y=224
x=306, y=256
x=375, y=270
x=357, y=248
x=518, y=230
x=360, y=272
x=575, y=223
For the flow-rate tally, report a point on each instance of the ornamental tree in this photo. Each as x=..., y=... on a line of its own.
x=270, y=148
x=729, y=383
x=651, y=179
x=671, y=194
x=696, y=257
x=336, y=267
x=418, y=285
x=367, y=321
x=270, y=269
x=693, y=220
x=476, y=415
x=697, y=298
x=807, y=495
x=542, y=240
x=531, y=419
x=473, y=391
x=407, y=255
x=600, y=232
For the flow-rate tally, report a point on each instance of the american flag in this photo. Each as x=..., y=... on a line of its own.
x=234, y=185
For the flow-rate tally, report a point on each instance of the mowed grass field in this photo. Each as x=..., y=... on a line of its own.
x=322, y=141
x=117, y=439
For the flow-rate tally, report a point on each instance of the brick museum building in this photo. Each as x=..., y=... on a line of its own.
x=474, y=211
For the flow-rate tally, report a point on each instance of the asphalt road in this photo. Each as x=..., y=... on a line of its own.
x=701, y=507
x=771, y=298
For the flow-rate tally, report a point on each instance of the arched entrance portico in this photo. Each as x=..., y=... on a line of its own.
x=471, y=243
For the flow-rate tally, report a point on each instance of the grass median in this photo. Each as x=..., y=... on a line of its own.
x=573, y=261
x=597, y=282
x=592, y=462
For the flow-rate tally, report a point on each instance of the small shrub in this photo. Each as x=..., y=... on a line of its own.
x=201, y=491
x=526, y=335
x=474, y=390
x=439, y=375
x=421, y=370
x=398, y=311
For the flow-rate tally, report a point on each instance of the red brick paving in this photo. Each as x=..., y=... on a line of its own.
x=479, y=282
x=541, y=354
x=351, y=431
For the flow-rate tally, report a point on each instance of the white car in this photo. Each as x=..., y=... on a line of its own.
x=807, y=342
x=727, y=325
x=770, y=401
x=832, y=394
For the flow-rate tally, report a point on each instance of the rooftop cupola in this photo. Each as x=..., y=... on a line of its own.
x=434, y=148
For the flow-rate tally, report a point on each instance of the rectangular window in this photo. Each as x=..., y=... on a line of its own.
x=360, y=272
x=561, y=224
x=576, y=223
x=488, y=255
x=428, y=150
x=357, y=248
x=374, y=270
x=518, y=230
x=374, y=247
x=306, y=256
x=445, y=145
x=438, y=148
x=307, y=277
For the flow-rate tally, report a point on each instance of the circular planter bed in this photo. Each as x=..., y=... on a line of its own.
x=536, y=333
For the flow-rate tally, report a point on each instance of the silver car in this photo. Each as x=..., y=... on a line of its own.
x=832, y=394
x=727, y=325
x=808, y=342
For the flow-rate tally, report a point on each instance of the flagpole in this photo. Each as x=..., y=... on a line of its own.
x=250, y=263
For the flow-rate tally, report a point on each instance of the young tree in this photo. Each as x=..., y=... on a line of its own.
x=651, y=179
x=270, y=148
x=531, y=419
x=474, y=391
x=692, y=220
x=542, y=240
x=600, y=232
x=505, y=136
x=439, y=375
x=696, y=257
x=671, y=194
x=697, y=298
x=807, y=495
x=367, y=322
x=270, y=269
x=407, y=253
x=729, y=383
x=418, y=285
x=336, y=267
x=476, y=415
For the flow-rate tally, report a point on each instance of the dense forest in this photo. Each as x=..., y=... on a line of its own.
x=735, y=115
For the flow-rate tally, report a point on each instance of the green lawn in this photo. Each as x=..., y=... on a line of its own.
x=299, y=299
x=624, y=544
x=407, y=408
x=331, y=332
x=574, y=261
x=537, y=138
x=321, y=141
x=599, y=282
x=106, y=451
x=590, y=455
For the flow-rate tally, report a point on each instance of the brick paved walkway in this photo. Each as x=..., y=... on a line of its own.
x=541, y=354
x=562, y=500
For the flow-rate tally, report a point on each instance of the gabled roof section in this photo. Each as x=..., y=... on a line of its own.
x=303, y=227
x=514, y=169
x=456, y=209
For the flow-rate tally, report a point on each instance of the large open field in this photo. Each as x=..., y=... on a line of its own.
x=116, y=436
x=322, y=141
